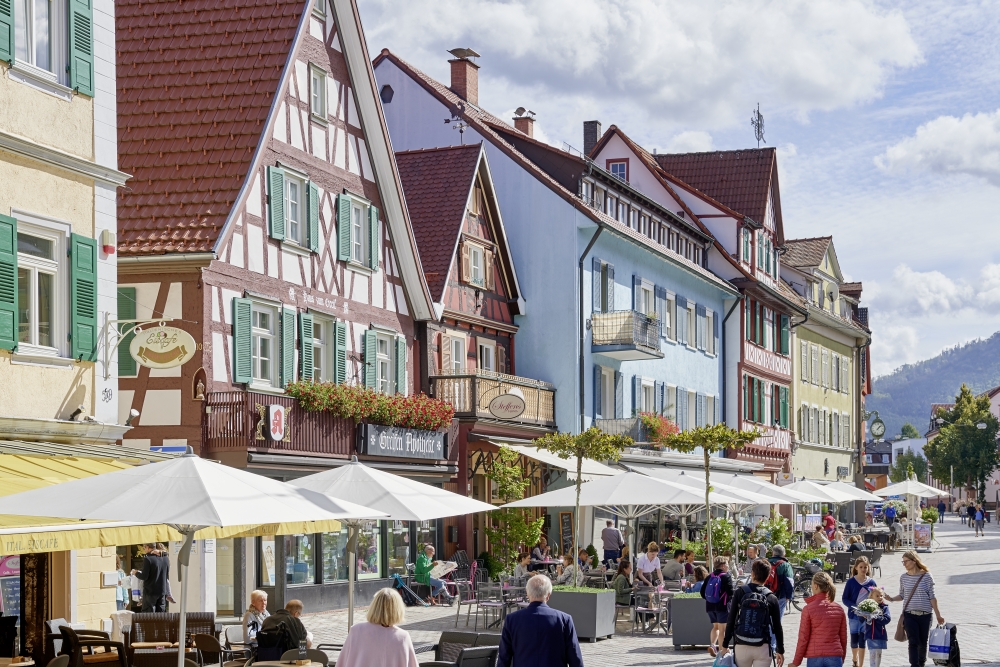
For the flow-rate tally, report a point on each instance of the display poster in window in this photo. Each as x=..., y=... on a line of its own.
x=267, y=561
x=369, y=551
x=807, y=522
x=407, y=443
x=162, y=347
x=10, y=585
x=566, y=532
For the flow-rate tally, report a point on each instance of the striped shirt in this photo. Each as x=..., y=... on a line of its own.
x=924, y=594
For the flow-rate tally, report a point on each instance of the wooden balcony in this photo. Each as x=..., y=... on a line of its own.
x=470, y=392
x=626, y=334
x=236, y=421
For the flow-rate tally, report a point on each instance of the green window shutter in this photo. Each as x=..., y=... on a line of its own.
x=242, y=341
x=313, y=217
x=747, y=319
x=276, y=202
x=371, y=352
x=7, y=31
x=127, y=366
x=306, y=355
x=340, y=351
x=81, y=46
x=784, y=335
x=83, y=297
x=287, y=346
x=759, y=320
x=343, y=228
x=8, y=280
x=756, y=400
x=400, y=365
x=373, y=239
x=784, y=407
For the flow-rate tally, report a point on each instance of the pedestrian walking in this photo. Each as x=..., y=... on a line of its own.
x=380, y=641
x=753, y=621
x=822, y=628
x=717, y=591
x=970, y=512
x=979, y=521
x=890, y=514
x=941, y=509
x=784, y=578
x=916, y=589
x=856, y=589
x=876, y=635
x=613, y=542
x=538, y=635
x=960, y=511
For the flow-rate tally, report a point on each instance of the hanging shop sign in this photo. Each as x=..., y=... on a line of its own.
x=162, y=347
x=407, y=443
x=273, y=423
x=507, y=406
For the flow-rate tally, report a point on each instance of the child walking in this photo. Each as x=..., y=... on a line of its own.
x=875, y=634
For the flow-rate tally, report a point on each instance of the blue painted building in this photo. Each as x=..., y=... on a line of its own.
x=620, y=311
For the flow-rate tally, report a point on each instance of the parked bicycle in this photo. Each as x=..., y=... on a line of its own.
x=803, y=582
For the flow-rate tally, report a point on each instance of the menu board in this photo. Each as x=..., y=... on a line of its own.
x=10, y=596
x=566, y=532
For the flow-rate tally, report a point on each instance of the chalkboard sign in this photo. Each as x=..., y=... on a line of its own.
x=10, y=595
x=566, y=532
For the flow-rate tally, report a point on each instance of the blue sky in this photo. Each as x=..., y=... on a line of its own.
x=886, y=116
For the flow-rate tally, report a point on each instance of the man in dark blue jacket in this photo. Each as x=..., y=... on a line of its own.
x=538, y=635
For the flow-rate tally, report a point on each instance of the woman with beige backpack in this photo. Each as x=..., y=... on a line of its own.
x=916, y=590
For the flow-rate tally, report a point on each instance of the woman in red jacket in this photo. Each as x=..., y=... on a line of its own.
x=823, y=627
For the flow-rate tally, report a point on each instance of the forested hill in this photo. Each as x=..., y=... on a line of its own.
x=906, y=394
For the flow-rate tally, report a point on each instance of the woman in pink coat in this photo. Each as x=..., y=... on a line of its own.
x=379, y=643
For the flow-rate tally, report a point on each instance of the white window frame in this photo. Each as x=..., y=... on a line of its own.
x=647, y=299
x=295, y=224
x=692, y=404
x=385, y=364
x=323, y=349
x=58, y=42
x=317, y=92
x=319, y=8
x=359, y=233
x=647, y=391
x=670, y=403
x=57, y=233
x=814, y=371
x=607, y=393
x=709, y=410
x=623, y=177
x=692, y=327
x=488, y=347
x=477, y=264
x=272, y=335
x=459, y=344
x=710, y=332
x=668, y=317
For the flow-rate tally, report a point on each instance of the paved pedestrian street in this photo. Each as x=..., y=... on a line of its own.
x=966, y=572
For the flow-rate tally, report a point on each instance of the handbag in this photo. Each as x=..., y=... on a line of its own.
x=900, y=635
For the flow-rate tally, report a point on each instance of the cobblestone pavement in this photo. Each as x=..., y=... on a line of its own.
x=966, y=571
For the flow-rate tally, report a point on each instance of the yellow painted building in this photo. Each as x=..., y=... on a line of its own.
x=826, y=399
x=58, y=190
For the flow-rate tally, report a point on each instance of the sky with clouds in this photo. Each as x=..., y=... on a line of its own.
x=886, y=115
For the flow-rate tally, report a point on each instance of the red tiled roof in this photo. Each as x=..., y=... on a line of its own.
x=436, y=182
x=196, y=80
x=802, y=253
x=739, y=179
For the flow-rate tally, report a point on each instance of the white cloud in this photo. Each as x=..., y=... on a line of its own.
x=681, y=61
x=892, y=346
x=928, y=293
x=692, y=141
x=950, y=145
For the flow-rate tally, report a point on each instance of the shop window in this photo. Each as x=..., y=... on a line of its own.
x=225, y=576
x=369, y=551
x=300, y=561
x=267, y=561
x=426, y=533
x=335, y=556
x=400, y=553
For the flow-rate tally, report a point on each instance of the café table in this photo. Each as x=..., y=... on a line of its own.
x=164, y=656
x=25, y=662
x=285, y=663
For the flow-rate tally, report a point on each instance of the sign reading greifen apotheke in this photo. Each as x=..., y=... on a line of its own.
x=407, y=443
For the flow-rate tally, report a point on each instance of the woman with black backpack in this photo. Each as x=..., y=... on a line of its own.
x=717, y=592
x=753, y=620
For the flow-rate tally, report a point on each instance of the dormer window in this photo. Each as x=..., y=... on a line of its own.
x=477, y=265
x=619, y=169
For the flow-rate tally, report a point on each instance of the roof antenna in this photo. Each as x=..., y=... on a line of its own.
x=757, y=121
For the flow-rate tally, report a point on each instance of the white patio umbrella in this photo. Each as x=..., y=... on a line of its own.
x=630, y=495
x=913, y=490
x=186, y=493
x=820, y=492
x=400, y=498
x=851, y=490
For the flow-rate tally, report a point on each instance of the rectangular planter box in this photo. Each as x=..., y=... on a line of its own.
x=689, y=621
x=593, y=613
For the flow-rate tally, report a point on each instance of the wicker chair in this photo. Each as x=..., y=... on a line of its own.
x=79, y=645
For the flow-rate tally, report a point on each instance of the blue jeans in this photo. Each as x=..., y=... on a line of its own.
x=437, y=586
x=611, y=554
x=831, y=661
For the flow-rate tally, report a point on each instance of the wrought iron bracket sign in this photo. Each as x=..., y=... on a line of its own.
x=407, y=443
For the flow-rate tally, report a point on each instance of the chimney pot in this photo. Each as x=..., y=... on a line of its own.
x=525, y=124
x=591, y=134
x=465, y=79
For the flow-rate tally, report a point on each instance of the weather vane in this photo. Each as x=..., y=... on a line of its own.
x=459, y=125
x=757, y=121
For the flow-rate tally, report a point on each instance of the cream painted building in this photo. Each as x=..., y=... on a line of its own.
x=827, y=397
x=58, y=188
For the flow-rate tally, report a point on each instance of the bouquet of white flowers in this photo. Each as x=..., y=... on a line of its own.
x=868, y=609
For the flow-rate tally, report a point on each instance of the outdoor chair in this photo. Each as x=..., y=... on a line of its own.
x=53, y=639
x=473, y=656
x=626, y=608
x=842, y=565
x=210, y=651
x=489, y=600
x=79, y=645
x=313, y=654
x=876, y=559
x=465, y=591
x=8, y=636
x=60, y=661
x=234, y=638
x=450, y=644
x=650, y=604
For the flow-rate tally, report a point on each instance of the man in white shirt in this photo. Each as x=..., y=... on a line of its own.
x=647, y=564
x=674, y=569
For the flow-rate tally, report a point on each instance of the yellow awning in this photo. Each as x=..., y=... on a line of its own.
x=24, y=534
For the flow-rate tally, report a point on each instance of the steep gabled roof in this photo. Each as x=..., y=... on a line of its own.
x=437, y=182
x=740, y=179
x=196, y=82
x=806, y=253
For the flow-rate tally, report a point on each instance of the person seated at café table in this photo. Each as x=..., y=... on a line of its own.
x=255, y=616
x=700, y=575
x=583, y=560
x=422, y=573
x=674, y=569
x=290, y=617
x=523, y=565
x=837, y=543
x=647, y=564
x=689, y=563
x=569, y=574
x=855, y=544
x=540, y=554
x=819, y=539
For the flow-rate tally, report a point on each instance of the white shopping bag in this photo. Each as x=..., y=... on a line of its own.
x=136, y=586
x=940, y=645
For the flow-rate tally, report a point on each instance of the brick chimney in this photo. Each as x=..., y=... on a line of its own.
x=465, y=79
x=591, y=134
x=525, y=124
